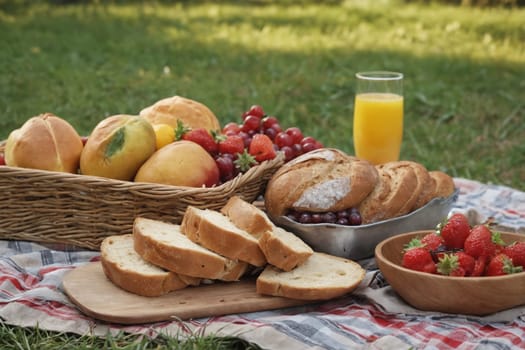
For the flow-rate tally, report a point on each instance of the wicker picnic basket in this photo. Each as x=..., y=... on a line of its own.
x=78, y=210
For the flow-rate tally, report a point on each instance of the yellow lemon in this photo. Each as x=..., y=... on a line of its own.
x=164, y=134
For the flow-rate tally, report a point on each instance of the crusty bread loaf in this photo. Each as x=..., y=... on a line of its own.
x=164, y=244
x=215, y=231
x=320, y=277
x=44, y=142
x=191, y=113
x=444, y=184
x=395, y=194
x=126, y=269
x=283, y=249
x=318, y=181
x=247, y=216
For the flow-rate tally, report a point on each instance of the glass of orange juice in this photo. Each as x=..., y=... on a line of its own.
x=378, y=116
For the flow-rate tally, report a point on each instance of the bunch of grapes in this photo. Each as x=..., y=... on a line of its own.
x=346, y=217
x=255, y=123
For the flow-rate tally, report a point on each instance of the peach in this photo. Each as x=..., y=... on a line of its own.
x=181, y=163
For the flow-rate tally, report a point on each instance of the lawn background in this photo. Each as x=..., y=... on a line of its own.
x=464, y=69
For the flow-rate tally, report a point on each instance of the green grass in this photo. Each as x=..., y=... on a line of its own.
x=464, y=86
x=464, y=68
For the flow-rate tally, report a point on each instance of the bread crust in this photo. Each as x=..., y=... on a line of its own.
x=345, y=275
x=191, y=262
x=203, y=226
x=193, y=114
x=322, y=180
x=132, y=279
x=45, y=142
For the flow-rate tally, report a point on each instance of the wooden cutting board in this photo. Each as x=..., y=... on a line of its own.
x=96, y=296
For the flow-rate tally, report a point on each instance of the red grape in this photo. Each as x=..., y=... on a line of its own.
x=295, y=133
x=267, y=122
x=283, y=139
x=256, y=111
x=251, y=123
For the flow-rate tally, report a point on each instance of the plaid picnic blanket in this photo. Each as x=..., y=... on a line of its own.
x=372, y=317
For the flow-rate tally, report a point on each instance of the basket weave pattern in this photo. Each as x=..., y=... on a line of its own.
x=79, y=210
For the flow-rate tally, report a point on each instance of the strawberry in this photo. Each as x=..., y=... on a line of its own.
x=244, y=161
x=482, y=242
x=261, y=148
x=516, y=251
x=456, y=264
x=202, y=137
x=418, y=259
x=432, y=241
x=454, y=231
x=480, y=264
x=233, y=144
x=501, y=264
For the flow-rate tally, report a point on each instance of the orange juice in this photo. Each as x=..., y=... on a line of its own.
x=378, y=126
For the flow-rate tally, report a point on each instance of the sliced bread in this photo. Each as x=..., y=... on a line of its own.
x=283, y=249
x=126, y=269
x=247, y=216
x=164, y=244
x=215, y=231
x=320, y=277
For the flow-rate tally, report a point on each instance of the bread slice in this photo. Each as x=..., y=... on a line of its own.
x=126, y=269
x=283, y=249
x=215, y=231
x=164, y=244
x=247, y=216
x=320, y=277
x=394, y=195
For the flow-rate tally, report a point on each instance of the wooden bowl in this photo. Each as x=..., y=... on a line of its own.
x=456, y=295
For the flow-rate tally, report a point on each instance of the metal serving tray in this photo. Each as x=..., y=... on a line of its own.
x=359, y=242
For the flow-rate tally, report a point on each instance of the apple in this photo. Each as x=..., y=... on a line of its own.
x=181, y=163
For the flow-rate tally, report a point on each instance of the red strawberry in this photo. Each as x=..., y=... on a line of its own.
x=479, y=266
x=203, y=138
x=261, y=148
x=516, y=251
x=456, y=264
x=482, y=242
x=418, y=259
x=455, y=230
x=233, y=144
x=501, y=264
x=432, y=241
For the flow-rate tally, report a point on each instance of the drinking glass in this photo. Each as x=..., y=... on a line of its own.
x=378, y=116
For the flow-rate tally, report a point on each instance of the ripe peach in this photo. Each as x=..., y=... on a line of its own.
x=181, y=163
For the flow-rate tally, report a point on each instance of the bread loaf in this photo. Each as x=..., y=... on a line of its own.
x=164, y=245
x=319, y=181
x=126, y=269
x=320, y=277
x=191, y=113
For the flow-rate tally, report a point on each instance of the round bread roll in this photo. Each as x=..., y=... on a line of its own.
x=191, y=113
x=319, y=181
x=44, y=142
